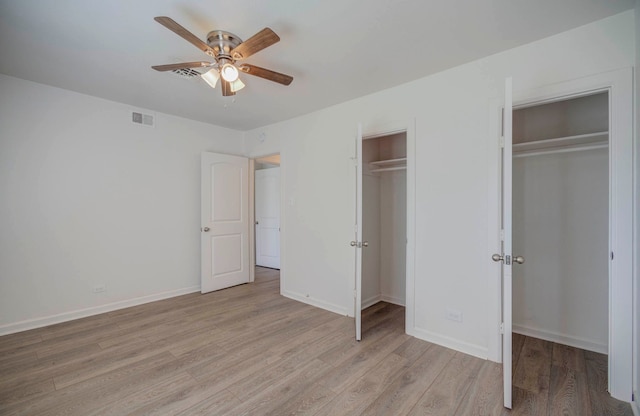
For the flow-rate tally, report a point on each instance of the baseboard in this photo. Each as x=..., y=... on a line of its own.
x=95, y=310
x=561, y=339
x=371, y=301
x=316, y=302
x=454, y=344
x=635, y=406
x=393, y=299
x=381, y=298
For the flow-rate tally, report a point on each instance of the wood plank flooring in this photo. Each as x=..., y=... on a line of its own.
x=249, y=351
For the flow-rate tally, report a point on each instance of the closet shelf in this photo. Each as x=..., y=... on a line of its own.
x=562, y=144
x=389, y=169
x=389, y=162
x=388, y=165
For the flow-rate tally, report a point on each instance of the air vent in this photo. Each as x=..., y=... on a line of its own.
x=144, y=119
x=186, y=73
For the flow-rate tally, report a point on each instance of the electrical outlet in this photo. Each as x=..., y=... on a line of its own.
x=99, y=288
x=453, y=315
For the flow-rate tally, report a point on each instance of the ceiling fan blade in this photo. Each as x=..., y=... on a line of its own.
x=173, y=26
x=266, y=74
x=171, y=67
x=226, y=88
x=265, y=38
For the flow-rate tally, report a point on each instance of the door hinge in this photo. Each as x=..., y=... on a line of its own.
x=612, y=255
x=501, y=141
x=502, y=327
x=501, y=235
x=355, y=293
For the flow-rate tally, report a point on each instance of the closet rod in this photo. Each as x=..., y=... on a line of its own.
x=561, y=150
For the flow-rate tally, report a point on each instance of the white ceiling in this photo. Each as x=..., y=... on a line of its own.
x=335, y=50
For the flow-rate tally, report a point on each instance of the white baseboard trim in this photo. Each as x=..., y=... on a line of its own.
x=393, y=299
x=382, y=298
x=454, y=344
x=371, y=301
x=561, y=339
x=316, y=302
x=635, y=406
x=94, y=310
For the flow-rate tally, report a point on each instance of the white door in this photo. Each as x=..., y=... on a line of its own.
x=267, y=204
x=225, y=221
x=506, y=257
x=357, y=243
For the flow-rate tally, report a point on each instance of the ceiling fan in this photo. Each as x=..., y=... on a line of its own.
x=225, y=48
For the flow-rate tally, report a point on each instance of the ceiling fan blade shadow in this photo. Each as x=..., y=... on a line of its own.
x=266, y=74
x=171, y=67
x=263, y=39
x=173, y=26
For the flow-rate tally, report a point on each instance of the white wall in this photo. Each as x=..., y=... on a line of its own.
x=452, y=112
x=561, y=224
x=88, y=198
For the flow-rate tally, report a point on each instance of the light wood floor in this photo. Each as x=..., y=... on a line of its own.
x=248, y=350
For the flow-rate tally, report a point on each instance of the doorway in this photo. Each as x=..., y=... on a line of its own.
x=384, y=222
x=621, y=245
x=561, y=221
x=267, y=211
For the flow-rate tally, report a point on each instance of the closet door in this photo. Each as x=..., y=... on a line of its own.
x=357, y=242
x=507, y=282
x=506, y=257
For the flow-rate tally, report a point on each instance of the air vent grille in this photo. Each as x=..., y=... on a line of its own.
x=143, y=119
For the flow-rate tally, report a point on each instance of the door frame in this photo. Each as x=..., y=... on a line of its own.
x=619, y=84
x=406, y=126
x=252, y=215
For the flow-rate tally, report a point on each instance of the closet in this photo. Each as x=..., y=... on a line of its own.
x=561, y=221
x=384, y=219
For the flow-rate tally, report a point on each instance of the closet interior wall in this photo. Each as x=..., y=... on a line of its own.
x=384, y=197
x=561, y=220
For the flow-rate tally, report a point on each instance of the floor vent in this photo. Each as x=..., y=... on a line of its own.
x=144, y=119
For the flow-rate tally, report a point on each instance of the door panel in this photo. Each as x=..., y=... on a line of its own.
x=225, y=221
x=507, y=293
x=357, y=242
x=267, y=203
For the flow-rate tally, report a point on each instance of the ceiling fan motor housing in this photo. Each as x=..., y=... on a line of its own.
x=223, y=43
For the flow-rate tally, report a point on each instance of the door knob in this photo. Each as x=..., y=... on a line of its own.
x=518, y=259
x=206, y=229
x=353, y=244
x=497, y=257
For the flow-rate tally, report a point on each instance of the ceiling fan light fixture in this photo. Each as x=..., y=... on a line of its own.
x=236, y=85
x=211, y=77
x=229, y=72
